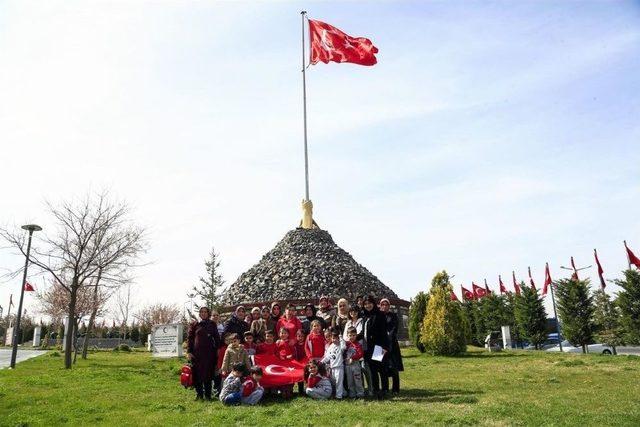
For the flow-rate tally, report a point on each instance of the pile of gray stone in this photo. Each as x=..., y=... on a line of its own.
x=305, y=264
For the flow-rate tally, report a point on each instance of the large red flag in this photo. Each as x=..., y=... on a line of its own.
x=600, y=270
x=277, y=372
x=533, y=285
x=516, y=287
x=467, y=294
x=503, y=288
x=28, y=287
x=632, y=258
x=478, y=291
x=547, y=279
x=330, y=44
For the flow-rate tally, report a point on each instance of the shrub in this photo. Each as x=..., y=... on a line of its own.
x=443, y=329
x=122, y=347
x=417, y=311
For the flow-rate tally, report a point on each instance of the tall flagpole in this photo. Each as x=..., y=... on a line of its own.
x=304, y=109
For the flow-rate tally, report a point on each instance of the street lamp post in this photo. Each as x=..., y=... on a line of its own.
x=16, y=329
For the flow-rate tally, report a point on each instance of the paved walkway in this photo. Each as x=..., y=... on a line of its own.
x=5, y=356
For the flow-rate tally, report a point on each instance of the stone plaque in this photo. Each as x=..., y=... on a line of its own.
x=36, y=336
x=9, y=337
x=166, y=340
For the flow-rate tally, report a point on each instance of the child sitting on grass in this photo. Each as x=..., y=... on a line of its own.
x=231, y=393
x=251, y=390
x=318, y=385
x=235, y=354
x=268, y=346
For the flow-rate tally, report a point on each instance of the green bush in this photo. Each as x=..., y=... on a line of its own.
x=122, y=347
x=417, y=311
x=443, y=328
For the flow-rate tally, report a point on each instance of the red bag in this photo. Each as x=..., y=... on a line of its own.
x=186, y=377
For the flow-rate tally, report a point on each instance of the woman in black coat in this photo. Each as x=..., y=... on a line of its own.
x=395, y=358
x=202, y=350
x=375, y=334
x=236, y=324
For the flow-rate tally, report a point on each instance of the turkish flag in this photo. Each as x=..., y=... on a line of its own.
x=547, y=279
x=533, y=285
x=478, y=291
x=330, y=44
x=486, y=287
x=503, y=288
x=453, y=297
x=632, y=258
x=515, y=283
x=28, y=287
x=277, y=372
x=600, y=270
x=467, y=294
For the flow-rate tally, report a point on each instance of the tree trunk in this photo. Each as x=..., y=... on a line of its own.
x=584, y=348
x=615, y=352
x=72, y=315
x=92, y=319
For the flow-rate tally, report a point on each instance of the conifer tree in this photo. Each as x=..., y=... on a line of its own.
x=208, y=289
x=417, y=311
x=575, y=309
x=468, y=313
x=629, y=302
x=606, y=319
x=443, y=326
x=531, y=317
x=493, y=314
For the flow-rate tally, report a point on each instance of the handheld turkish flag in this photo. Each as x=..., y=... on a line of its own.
x=277, y=372
x=467, y=294
x=28, y=287
x=503, y=289
x=533, y=285
x=515, y=283
x=330, y=44
x=478, y=291
x=547, y=279
x=454, y=297
x=632, y=258
x=600, y=270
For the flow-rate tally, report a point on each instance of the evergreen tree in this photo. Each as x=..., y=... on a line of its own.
x=493, y=312
x=531, y=316
x=575, y=309
x=443, y=326
x=510, y=315
x=468, y=308
x=417, y=311
x=629, y=302
x=209, y=287
x=135, y=333
x=606, y=319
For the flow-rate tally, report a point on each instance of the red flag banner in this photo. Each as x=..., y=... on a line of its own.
x=478, y=291
x=28, y=287
x=277, y=372
x=331, y=44
x=547, y=279
x=503, y=288
x=516, y=287
x=467, y=294
x=632, y=258
x=600, y=270
x=533, y=285
x=453, y=296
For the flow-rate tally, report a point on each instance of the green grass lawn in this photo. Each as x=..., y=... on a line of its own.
x=510, y=388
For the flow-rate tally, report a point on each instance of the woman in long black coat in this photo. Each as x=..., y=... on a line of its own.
x=375, y=333
x=395, y=358
x=202, y=350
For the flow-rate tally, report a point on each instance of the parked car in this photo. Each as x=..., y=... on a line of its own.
x=567, y=347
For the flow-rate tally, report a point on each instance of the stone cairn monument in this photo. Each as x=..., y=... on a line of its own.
x=305, y=265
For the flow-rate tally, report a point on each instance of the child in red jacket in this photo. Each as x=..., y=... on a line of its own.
x=318, y=385
x=268, y=346
x=251, y=390
x=299, y=354
x=352, y=368
x=315, y=342
x=283, y=348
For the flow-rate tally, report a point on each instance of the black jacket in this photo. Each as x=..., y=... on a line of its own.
x=374, y=331
x=395, y=358
x=235, y=326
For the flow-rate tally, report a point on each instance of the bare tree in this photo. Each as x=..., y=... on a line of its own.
x=123, y=305
x=157, y=314
x=93, y=237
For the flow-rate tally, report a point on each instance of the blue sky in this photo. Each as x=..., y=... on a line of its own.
x=490, y=136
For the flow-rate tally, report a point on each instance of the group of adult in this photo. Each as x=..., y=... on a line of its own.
x=373, y=320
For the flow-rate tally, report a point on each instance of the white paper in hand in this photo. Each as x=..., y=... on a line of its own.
x=377, y=353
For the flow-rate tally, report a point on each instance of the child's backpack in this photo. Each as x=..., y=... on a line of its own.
x=186, y=376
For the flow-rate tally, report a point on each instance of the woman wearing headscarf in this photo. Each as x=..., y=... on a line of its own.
x=375, y=334
x=342, y=316
x=326, y=312
x=260, y=326
x=394, y=358
x=276, y=312
x=202, y=350
x=236, y=324
x=290, y=322
x=310, y=316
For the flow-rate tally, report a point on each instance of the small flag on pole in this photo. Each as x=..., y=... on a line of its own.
x=467, y=295
x=478, y=291
x=503, y=289
x=28, y=287
x=533, y=285
x=516, y=287
x=631, y=257
x=547, y=279
x=453, y=296
x=331, y=44
x=486, y=287
x=600, y=270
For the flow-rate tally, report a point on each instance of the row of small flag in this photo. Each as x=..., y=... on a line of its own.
x=478, y=292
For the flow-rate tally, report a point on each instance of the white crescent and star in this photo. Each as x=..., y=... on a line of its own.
x=277, y=369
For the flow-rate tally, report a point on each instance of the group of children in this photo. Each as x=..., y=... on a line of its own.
x=333, y=362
